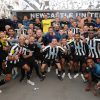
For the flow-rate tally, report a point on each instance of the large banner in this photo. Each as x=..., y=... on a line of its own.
x=53, y=14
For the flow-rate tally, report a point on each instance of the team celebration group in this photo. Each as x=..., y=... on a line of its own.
x=69, y=46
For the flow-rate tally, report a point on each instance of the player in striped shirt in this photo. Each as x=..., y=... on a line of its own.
x=66, y=56
x=74, y=28
x=80, y=55
x=94, y=47
x=52, y=52
x=16, y=58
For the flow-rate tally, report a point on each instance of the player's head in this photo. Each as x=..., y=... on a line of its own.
x=54, y=42
x=64, y=41
x=2, y=35
x=70, y=35
x=22, y=40
x=77, y=37
x=90, y=62
x=91, y=34
x=50, y=30
x=45, y=16
x=30, y=32
x=11, y=31
x=39, y=33
x=31, y=40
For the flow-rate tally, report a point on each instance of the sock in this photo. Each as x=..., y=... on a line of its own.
x=63, y=70
x=75, y=71
x=28, y=75
x=59, y=73
x=43, y=73
x=16, y=71
x=69, y=71
x=2, y=82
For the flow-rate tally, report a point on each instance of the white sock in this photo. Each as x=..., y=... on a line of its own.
x=63, y=75
x=0, y=91
x=83, y=77
x=13, y=72
x=76, y=75
x=69, y=75
x=56, y=71
x=30, y=82
x=49, y=69
x=16, y=71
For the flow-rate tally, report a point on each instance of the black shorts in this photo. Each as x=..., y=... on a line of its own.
x=81, y=59
x=47, y=61
x=10, y=66
x=29, y=61
x=95, y=78
x=68, y=57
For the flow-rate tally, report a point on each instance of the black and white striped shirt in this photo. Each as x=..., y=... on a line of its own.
x=94, y=47
x=75, y=30
x=17, y=50
x=80, y=48
x=53, y=52
x=66, y=48
x=19, y=32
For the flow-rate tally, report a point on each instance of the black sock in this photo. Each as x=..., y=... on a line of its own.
x=63, y=70
x=69, y=71
x=43, y=73
x=37, y=69
x=2, y=82
x=22, y=73
x=28, y=75
x=75, y=71
x=59, y=73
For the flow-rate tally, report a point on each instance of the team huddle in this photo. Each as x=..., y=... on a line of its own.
x=60, y=44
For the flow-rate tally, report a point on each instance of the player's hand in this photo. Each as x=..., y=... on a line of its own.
x=43, y=46
x=30, y=54
x=4, y=39
x=16, y=57
x=10, y=40
x=5, y=48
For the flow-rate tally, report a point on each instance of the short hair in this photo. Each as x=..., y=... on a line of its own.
x=1, y=31
x=38, y=30
x=54, y=38
x=63, y=38
x=50, y=27
x=91, y=31
x=89, y=58
x=10, y=29
x=22, y=36
x=61, y=28
x=25, y=16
